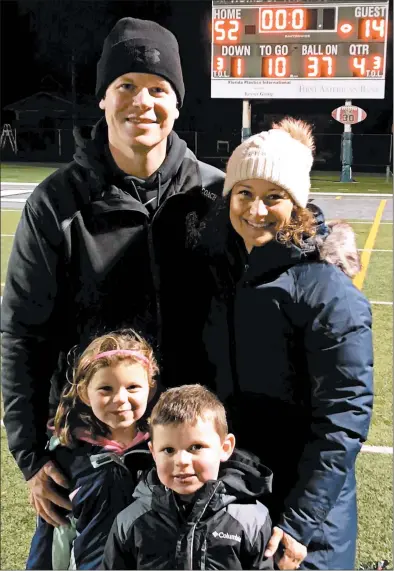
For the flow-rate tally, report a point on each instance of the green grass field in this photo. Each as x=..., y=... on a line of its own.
x=321, y=181
x=374, y=471
x=25, y=173
x=372, y=184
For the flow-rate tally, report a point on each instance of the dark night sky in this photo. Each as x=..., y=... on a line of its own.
x=36, y=37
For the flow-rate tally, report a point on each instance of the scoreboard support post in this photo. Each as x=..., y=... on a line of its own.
x=347, y=152
x=246, y=120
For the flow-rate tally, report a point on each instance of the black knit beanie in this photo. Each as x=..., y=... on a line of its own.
x=140, y=46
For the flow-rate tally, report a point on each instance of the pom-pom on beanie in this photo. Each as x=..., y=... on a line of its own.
x=283, y=155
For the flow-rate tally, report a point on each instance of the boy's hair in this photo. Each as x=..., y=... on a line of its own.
x=185, y=405
x=72, y=412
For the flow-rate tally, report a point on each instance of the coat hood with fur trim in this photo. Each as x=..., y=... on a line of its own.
x=340, y=248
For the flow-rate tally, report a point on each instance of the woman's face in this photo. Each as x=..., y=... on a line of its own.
x=258, y=209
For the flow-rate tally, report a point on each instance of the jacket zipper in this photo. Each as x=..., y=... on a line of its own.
x=195, y=525
x=154, y=269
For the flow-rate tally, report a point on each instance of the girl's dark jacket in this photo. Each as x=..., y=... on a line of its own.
x=102, y=483
x=225, y=528
x=288, y=348
x=80, y=266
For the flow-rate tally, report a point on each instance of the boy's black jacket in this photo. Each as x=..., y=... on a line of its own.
x=227, y=527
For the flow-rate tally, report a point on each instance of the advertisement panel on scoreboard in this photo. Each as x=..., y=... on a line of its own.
x=299, y=50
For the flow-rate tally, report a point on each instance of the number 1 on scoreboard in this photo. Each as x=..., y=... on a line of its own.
x=237, y=67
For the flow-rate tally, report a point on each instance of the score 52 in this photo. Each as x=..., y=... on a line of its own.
x=225, y=31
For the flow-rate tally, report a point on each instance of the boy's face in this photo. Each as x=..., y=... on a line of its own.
x=188, y=456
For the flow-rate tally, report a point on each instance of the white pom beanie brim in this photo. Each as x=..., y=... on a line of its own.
x=274, y=156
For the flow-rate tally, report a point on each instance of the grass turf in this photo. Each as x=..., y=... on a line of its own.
x=25, y=172
x=321, y=181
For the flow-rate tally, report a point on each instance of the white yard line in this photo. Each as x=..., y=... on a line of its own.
x=14, y=199
x=369, y=250
x=29, y=184
x=381, y=302
x=365, y=222
x=13, y=192
x=377, y=449
x=350, y=194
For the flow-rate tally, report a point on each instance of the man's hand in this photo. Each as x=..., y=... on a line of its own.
x=293, y=551
x=43, y=495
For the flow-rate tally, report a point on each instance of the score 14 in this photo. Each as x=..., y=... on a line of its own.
x=320, y=66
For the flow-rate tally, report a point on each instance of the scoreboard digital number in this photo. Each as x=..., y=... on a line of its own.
x=331, y=50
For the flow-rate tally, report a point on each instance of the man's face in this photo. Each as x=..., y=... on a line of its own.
x=187, y=456
x=140, y=110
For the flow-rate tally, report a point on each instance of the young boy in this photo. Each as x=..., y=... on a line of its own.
x=189, y=513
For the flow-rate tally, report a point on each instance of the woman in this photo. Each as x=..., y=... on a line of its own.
x=289, y=344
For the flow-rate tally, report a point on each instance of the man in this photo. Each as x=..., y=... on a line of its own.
x=90, y=237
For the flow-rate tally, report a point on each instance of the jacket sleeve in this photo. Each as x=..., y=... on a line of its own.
x=116, y=554
x=258, y=560
x=30, y=329
x=339, y=360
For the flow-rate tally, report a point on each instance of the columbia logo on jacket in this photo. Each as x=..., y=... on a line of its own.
x=226, y=536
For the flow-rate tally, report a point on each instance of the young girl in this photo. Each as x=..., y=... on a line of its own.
x=100, y=444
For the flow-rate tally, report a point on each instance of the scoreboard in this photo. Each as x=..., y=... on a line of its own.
x=321, y=49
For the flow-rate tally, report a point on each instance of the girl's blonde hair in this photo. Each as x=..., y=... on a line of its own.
x=72, y=412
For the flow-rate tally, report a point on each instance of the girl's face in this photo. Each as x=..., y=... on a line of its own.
x=118, y=396
x=258, y=209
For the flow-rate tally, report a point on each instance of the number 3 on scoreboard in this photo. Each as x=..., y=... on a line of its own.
x=377, y=63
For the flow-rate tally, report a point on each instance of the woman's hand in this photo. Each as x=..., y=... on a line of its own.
x=293, y=551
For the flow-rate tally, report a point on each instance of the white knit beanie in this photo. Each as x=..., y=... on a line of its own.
x=282, y=155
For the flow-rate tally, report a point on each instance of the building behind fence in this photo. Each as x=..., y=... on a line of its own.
x=371, y=153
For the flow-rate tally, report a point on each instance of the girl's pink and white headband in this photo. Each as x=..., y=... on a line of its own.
x=126, y=352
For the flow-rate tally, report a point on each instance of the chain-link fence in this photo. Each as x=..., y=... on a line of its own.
x=371, y=153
